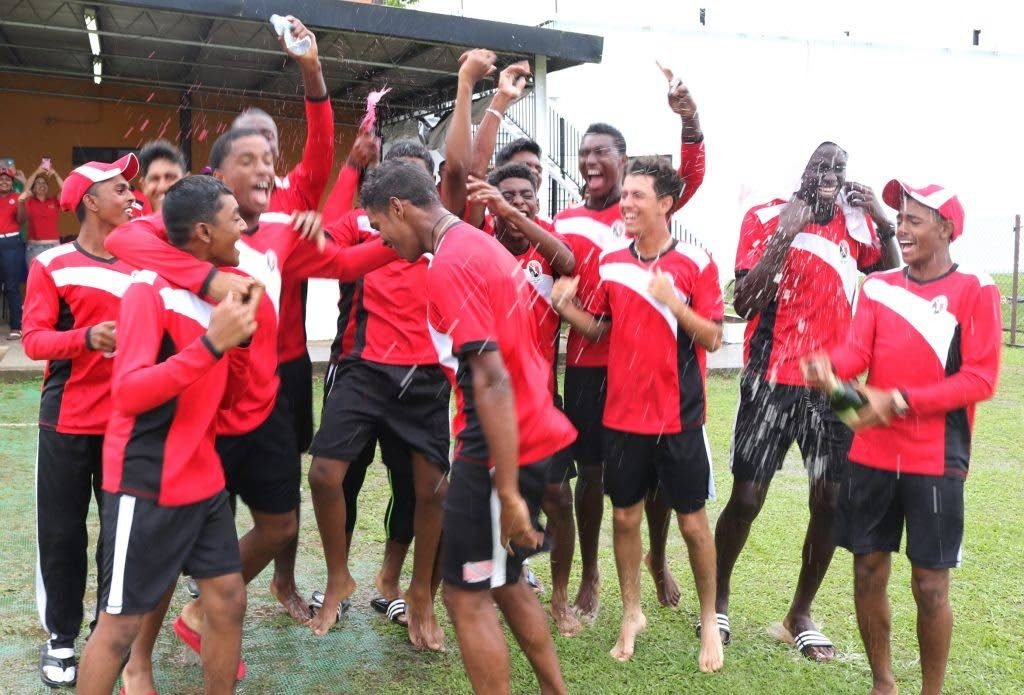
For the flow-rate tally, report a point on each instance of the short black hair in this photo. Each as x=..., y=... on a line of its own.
x=80, y=208
x=222, y=148
x=397, y=178
x=188, y=202
x=605, y=129
x=409, y=148
x=667, y=181
x=506, y=153
x=160, y=149
x=513, y=170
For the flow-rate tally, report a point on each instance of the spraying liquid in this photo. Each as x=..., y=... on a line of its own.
x=284, y=28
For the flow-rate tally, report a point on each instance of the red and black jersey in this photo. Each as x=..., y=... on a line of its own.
x=655, y=369
x=9, y=213
x=301, y=190
x=939, y=342
x=590, y=233
x=813, y=305
x=264, y=252
x=478, y=301
x=382, y=317
x=42, y=219
x=167, y=386
x=70, y=290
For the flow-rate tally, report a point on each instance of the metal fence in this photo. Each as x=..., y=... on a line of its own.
x=1011, y=288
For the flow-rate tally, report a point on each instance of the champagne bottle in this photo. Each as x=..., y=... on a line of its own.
x=845, y=400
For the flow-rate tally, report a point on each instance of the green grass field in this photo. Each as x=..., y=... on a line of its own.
x=365, y=654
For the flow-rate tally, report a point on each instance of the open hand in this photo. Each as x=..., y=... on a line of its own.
x=309, y=226
x=512, y=81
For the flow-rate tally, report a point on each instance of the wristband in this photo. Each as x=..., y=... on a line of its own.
x=494, y=112
x=900, y=407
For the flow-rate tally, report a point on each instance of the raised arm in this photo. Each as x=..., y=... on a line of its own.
x=692, y=161
x=475, y=65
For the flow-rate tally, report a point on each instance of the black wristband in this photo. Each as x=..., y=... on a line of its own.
x=886, y=233
x=209, y=346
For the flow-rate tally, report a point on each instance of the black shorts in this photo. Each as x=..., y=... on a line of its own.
x=585, y=393
x=561, y=468
x=771, y=417
x=146, y=547
x=263, y=467
x=367, y=397
x=472, y=556
x=874, y=505
x=297, y=389
x=680, y=464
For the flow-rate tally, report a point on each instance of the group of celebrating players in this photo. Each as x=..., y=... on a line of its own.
x=178, y=380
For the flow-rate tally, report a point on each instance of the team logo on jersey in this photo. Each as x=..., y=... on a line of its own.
x=844, y=249
x=11, y=201
x=618, y=228
x=271, y=261
x=534, y=269
x=939, y=304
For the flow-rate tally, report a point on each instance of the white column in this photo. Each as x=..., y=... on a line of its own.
x=540, y=123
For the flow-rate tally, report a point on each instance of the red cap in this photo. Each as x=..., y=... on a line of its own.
x=81, y=179
x=8, y=171
x=942, y=200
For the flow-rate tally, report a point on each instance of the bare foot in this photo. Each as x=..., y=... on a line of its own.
x=712, y=656
x=665, y=583
x=137, y=678
x=797, y=624
x=566, y=622
x=292, y=602
x=885, y=689
x=386, y=587
x=338, y=589
x=587, y=602
x=424, y=632
x=632, y=625
x=193, y=615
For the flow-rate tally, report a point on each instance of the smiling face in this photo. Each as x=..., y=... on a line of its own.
x=161, y=175
x=921, y=233
x=248, y=170
x=111, y=201
x=825, y=174
x=395, y=230
x=530, y=161
x=642, y=209
x=224, y=231
x=6, y=184
x=601, y=165
x=40, y=187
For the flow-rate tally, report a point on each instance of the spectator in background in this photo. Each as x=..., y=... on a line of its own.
x=39, y=206
x=161, y=165
x=12, y=248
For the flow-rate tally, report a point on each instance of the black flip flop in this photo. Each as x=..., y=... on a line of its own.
x=316, y=602
x=394, y=609
x=46, y=659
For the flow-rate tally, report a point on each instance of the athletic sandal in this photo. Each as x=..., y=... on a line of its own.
x=803, y=641
x=192, y=587
x=723, y=627
x=532, y=580
x=49, y=661
x=316, y=602
x=194, y=642
x=394, y=610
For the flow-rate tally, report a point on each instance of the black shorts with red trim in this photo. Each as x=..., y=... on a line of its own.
x=263, y=467
x=472, y=556
x=297, y=389
x=146, y=547
x=367, y=398
x=677, y=464
x=586, y=389
x=771, y=417
x=875, y=504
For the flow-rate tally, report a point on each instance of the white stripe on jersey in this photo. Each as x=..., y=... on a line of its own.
x=275, y=217
x=637, y=279
x=444, y=346
x=46, y=257
x=106, y=279
x=766, y=215
x=262, y=266
x=832, y=253
x=598, y=233
x=187, y=304
x=363, y=224
x=929, y=317
x=699, y=256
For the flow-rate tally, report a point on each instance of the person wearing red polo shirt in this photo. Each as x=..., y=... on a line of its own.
x=797, y=269
x=165, y=509
x=929, y=336
x=39, y=206
x=590, y=229
x=656, y=406
x=71, y=312
x=12, y=248
x=161, y=165
x=510, y=194
x=506, y=425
